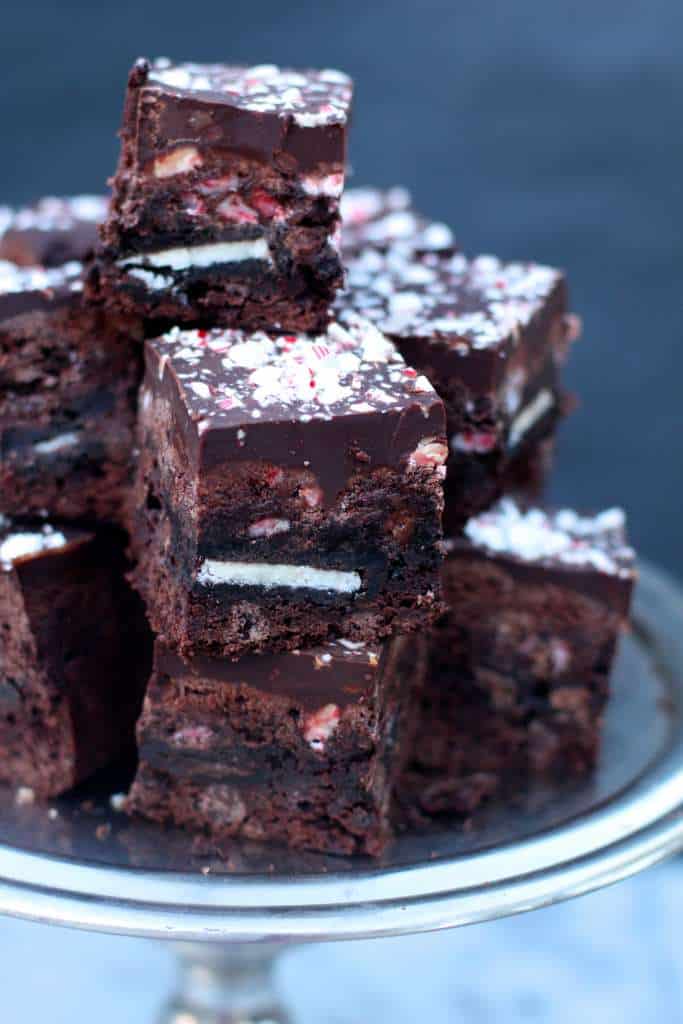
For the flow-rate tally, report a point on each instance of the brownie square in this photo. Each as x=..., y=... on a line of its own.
x=75, y=655
x=301, y=747
x=491, y=337
x=519, y=664
x=68, y=385
x=52, y=231
x=289, y=489
x=225, y=206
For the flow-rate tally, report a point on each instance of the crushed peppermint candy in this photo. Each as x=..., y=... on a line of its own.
x=229, y=376
x=563, y=537
x=361, y=205
x=310, y=98
x=384, y=219
x=320, y=726
x=39, y=279
x=469, y=303
x=54, y=213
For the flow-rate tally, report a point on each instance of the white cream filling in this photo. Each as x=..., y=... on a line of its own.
x=264, y=574
x=198, y=256
x=153, y=282
x=530, y=415
x=57, y=444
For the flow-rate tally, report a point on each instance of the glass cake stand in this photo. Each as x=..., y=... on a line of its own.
x=81, y=863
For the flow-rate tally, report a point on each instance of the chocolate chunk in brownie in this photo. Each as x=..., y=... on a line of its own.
x=225, y=206
x=385, y=219
x=51, y=231
x=520, y=663
x=289, y=489
x=68, y=383
x=301, y=747
x=75, y=655
x=491, y=337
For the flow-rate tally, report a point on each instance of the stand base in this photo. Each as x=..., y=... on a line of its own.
x=225, y=985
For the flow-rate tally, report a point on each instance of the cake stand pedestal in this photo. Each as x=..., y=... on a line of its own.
x=230, y=984
x=82, y=864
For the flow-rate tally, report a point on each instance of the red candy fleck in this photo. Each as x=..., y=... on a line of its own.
x=410, y=372
x=429, y=453
x=313, y=496
x=274, y=476
x=320, y=725
x=266, y=205
x=237, y=212
x=478, y=441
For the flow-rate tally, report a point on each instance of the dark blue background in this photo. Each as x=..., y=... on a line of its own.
x=538, y=129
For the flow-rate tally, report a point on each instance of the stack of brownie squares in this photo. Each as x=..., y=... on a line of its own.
x=342, y=422
x=74, y=646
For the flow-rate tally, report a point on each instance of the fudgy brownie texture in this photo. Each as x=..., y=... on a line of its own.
x=519, y=665
x=491, y=337
x=52, y=231
x=385, y=219
x=68, y=386
x=225, y=206
x=302, y=747
x=75, y=655
x=289, y=489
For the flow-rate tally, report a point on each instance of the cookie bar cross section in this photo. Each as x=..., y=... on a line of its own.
x=289, y=489
x=225, y=203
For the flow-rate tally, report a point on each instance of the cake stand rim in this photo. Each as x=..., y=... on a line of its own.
x=611, y=842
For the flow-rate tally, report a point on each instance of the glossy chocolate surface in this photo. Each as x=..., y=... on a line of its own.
x=339, y=672
x=264, y=113
x=313, y=402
